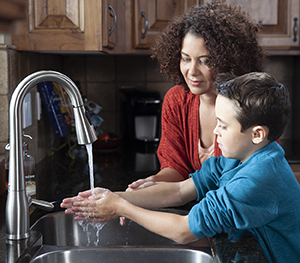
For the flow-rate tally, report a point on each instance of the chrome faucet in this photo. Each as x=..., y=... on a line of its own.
x=17, y=208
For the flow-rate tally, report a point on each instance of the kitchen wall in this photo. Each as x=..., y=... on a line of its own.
x=14, y=66
x=100, y=78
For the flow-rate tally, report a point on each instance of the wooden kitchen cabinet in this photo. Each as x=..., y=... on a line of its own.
x=10, y=12
x=113, y=26
x=151, y=16
x=67, y=25
x=285, y=33
x=279, y=20
x=131, y=26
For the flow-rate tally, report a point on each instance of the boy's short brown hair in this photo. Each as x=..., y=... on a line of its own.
x=260, y=99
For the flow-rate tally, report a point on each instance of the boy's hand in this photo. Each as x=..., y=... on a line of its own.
x=99, y=207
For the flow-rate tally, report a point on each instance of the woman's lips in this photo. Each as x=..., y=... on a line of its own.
x=195, y=83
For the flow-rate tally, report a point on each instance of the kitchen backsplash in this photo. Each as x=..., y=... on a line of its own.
x=100, y=78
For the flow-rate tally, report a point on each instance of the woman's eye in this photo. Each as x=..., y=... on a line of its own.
x=204, y=62
x=185, y=59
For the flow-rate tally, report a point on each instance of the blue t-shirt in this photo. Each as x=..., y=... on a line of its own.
x=260, y=195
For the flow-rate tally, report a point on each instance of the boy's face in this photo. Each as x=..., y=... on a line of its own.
x=233, y=143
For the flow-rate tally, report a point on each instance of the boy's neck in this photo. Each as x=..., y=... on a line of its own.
x=257, y=147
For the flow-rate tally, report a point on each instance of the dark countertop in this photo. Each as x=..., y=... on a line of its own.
x=59, y=176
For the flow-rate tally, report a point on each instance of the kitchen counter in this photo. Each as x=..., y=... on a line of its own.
x=59, y=176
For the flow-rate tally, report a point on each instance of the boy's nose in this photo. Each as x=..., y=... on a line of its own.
x=215, y=131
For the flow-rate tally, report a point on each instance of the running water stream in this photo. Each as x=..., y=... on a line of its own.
x=96, y=227
x=89, y=149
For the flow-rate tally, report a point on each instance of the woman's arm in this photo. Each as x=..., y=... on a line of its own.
x=162, y=194
x=177, y=151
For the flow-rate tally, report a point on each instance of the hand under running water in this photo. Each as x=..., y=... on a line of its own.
x=98, y=207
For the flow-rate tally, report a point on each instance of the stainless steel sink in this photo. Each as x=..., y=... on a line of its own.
x=64, y=240
x=124, y=255
x=60, y=229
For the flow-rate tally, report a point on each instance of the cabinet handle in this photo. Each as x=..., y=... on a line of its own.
x=146, y=25
x=295, y=29
x=115, y=19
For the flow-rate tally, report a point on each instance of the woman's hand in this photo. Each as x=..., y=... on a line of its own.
x=165, y=175
x=98, y=207
x=141, y=183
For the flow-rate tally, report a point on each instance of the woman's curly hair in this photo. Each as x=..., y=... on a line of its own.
x=230, y=35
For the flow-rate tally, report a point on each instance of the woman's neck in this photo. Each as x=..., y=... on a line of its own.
x=208, y=99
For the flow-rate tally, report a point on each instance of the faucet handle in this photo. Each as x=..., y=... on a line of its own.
x=40, y=203
x=27, y=136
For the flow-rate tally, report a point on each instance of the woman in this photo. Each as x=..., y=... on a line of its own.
x=197, y=46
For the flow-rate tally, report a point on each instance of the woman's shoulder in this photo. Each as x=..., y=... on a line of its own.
x=178, y=95
x=177, y=89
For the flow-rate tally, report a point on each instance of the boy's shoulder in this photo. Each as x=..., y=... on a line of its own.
x=270, y=158
x=272, y=151
x=269, y=153
x=268, y=161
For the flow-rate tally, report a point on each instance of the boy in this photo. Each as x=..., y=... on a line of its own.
x=250, y=187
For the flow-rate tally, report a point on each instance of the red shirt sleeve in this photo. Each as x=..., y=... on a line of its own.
x=178, y=148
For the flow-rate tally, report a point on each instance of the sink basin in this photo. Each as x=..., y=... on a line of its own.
x=61, y=229
x=123, y=255
x=65, y=240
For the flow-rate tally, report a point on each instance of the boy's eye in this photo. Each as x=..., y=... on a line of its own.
x=222, y=127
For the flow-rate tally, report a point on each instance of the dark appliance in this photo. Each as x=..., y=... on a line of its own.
x=142, y=110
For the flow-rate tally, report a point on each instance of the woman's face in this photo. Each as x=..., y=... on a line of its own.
x=193, y=66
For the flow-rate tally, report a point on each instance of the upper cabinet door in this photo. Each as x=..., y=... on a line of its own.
x=279, y=20
x=65, y=25
x=151, y=16
x=284, y=34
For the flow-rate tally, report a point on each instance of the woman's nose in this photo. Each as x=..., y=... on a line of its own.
x=194, y=69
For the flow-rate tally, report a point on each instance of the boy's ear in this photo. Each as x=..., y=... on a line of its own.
x=259, y=133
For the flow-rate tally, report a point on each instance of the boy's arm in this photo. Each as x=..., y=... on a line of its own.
x=156, y=196
x=169, y=225
x=106, y=205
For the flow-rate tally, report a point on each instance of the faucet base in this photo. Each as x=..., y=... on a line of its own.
x=17, y=237
x=17, y=215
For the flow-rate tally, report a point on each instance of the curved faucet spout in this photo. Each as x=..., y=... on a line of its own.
x=17, y=210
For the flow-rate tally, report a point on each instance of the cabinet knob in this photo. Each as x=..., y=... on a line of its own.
x=146, y=25
x=295, y=29
x=115, y=19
